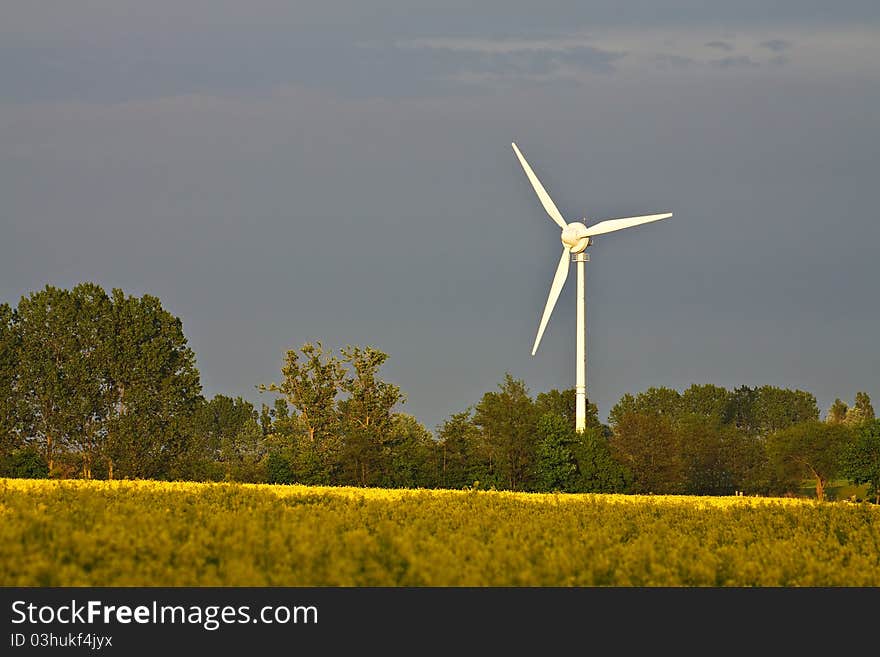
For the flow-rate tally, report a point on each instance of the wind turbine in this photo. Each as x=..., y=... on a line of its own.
x=576, y=237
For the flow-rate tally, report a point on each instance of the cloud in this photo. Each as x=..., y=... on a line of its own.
x=776, y=45
x=734, y=62
x=720, y=45
x=667, y=61
x=522, y=62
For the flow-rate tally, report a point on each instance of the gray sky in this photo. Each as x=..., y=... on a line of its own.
x=281, y=172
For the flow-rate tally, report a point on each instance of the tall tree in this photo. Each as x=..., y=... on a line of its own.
x=109, y=379
x=90, y=369
x=837, y=412
x=779, y=408
x=312, y=380
x=411, y=454
x=740, y=411
x=220, y=420
x=459, y=451
x=242, y=452
x=707, y=400
x=555, y=464
x=648, y=445
x=156, y=390
x=62, y=381
x=810, y=450
x=367, y=414
x=860, y=461
x=564, y=402
x=597, y=469
x=661, y=401
x=718, y=459
x=507, y=421
x=10, y=438
x=861, y=410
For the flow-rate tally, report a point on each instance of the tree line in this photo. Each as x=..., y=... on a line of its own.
x=99, y=385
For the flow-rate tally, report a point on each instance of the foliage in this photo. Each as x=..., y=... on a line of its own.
x=25, y=463
x=555, y=465
x=155, y=391
x=108, y=380
x=9, y=434
x=837, y=412
x=597, y=469
x=779, y=408
x=709, y=401
x=861, y=411
x=410, y=454
x=366, y=416
x=660, y=401
x=564, y=403
x=860, y=461
x=311, y=383
x=648, y=445
x=459, y=452
x=808, y=450
x=81, y=533
x=507, y=419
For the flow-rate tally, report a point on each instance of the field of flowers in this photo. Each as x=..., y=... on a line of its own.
x=129, y=533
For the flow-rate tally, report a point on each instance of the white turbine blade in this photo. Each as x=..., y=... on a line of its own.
x=546, y=201
x=555, y=289
x=610, y=225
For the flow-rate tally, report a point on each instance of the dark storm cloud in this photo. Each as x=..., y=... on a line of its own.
x=104, y=74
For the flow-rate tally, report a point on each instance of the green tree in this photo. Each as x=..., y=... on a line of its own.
x=155, y=392
x=861, y=410
x=564, y=403
x=63, y=386
x=719, y=459
x=661, y=401
x=459, y=452
x=555, y=464
x=860, y=460
x=312, y=380
x=411, y=454
x=648, y=446
x=778, y=408
x=809, y=449
x=837, y=412
x=507, y=420
x=242, y=453
x=24, y=463
x=740, y=411
x=10, y=438
x=107, y=380
x=220, y=420
x=279, y=469
x=367, y=415
x=597, y=469
x=707, y=400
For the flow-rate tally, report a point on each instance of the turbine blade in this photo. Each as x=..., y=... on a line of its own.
x=546, y=201
x=610, y=225
x=555, y=289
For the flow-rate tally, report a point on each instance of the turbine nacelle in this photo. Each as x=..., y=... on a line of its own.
x=575, y=237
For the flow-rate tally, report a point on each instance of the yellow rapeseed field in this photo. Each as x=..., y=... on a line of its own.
x=139, y=533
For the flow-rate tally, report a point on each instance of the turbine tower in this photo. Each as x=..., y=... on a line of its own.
x=576, y=237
